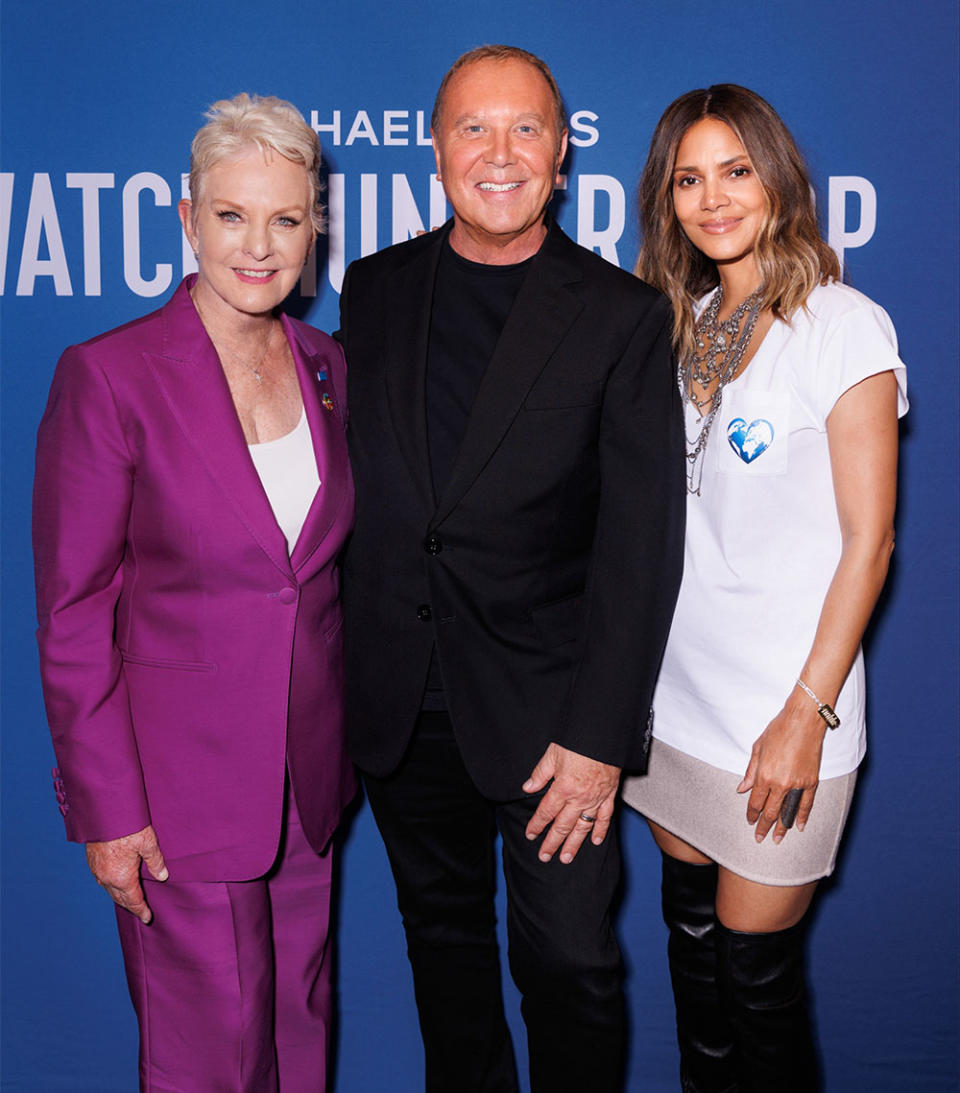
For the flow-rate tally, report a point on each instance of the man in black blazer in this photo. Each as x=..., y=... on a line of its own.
x=517, y=446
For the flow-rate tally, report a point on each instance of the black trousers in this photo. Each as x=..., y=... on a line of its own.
x=439, y=832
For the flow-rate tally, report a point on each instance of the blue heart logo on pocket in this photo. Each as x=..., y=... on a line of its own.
x=750, y=441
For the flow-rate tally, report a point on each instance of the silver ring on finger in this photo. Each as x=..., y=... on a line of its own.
x=588, y=819
x=791, y=803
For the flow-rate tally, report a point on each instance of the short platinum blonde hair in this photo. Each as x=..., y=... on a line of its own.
x=267, y=123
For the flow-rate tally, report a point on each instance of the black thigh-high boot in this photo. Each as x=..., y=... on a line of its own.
x=762, y=986
x=704, y=1032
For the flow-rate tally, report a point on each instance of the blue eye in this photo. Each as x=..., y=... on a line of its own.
x=228, y=215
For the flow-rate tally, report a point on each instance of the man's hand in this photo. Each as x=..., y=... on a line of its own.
x=581, y=788
x=116, y=866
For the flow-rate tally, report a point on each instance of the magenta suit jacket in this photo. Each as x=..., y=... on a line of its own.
x=187, y=660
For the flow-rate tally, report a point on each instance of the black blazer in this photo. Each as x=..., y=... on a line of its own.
x=548, y=570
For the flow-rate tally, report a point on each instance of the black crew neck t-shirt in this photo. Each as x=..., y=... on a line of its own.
x=471, y=302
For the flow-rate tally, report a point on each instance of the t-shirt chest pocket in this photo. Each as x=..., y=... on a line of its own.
x=753, y=428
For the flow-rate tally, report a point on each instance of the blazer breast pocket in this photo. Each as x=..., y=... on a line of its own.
x=546, y=395
x=754, y=429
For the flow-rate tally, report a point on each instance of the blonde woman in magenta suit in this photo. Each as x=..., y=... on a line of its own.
x=192, y=496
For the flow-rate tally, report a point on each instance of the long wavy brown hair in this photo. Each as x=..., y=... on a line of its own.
x=791, y=257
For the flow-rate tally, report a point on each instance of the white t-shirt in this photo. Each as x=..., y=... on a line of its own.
x=763, y=538
x=288, y=472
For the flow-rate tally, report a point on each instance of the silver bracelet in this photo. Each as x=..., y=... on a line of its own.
x=826, y=712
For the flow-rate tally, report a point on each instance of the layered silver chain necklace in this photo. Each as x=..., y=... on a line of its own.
x=716, y=357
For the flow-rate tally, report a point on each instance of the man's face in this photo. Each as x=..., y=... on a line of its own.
x=498, y=152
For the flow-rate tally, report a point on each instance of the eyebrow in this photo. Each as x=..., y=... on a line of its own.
x=723, y=163
x=480, y=116
x=240, y=206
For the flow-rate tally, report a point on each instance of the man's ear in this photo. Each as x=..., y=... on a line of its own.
x=560, y=156
x=436, y=153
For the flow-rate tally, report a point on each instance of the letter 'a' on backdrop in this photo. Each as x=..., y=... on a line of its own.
x=100, y=103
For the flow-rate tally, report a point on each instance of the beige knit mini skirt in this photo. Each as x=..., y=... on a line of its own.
x=700, y=804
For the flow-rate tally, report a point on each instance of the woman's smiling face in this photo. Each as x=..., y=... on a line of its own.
x=251, y=229
x=718, y=199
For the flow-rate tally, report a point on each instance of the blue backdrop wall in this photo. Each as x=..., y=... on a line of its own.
x=99, y=104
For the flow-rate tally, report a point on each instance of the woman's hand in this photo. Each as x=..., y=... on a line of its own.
x=785, y=756
x=116, y=867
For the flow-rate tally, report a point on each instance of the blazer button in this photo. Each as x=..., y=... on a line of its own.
x=433, y=544
x=287, y=595
x=424, y=614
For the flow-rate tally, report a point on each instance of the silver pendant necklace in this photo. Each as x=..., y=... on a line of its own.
x=717, y=355
x=254, y=369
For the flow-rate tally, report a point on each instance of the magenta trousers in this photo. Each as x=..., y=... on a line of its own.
x=231, y=981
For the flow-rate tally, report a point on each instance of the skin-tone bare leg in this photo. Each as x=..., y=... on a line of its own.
x=742, y=904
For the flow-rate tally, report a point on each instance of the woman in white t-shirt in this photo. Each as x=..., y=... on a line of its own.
x=792, y=388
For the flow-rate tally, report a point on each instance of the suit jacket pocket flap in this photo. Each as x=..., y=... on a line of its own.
x=559, y=622
x=164, y=662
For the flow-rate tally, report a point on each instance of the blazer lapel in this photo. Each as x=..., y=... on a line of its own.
x=544, y=310
x=193, y=384
x=326, y=418
x=408, y=332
